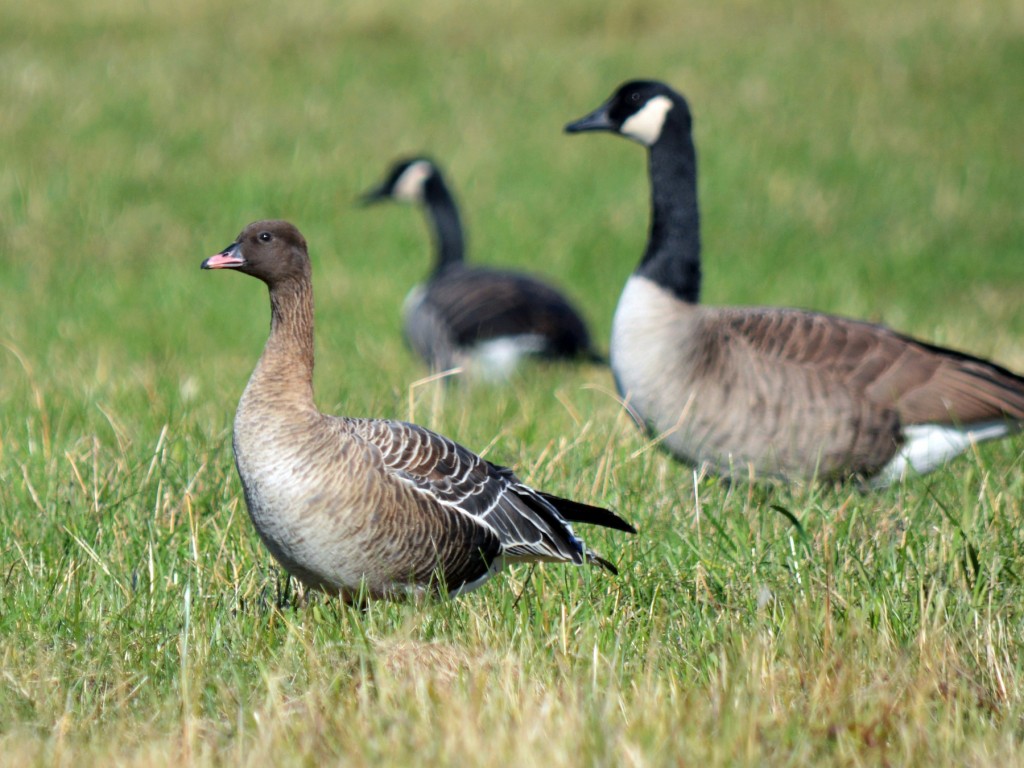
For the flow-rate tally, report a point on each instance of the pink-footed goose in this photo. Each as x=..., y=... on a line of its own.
x=481, y=318
x=386, y=507
x=779, y=392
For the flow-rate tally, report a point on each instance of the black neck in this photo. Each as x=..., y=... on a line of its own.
x=672, y=258
x=444, y=219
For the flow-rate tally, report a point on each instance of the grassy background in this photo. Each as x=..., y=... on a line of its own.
x=856, y=157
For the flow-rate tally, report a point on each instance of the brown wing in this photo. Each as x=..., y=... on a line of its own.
x=923, y=382
x=482, y=509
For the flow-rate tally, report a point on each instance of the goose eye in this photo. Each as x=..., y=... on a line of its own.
x=265, y=237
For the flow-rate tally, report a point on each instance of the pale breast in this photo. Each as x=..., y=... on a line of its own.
x=651, y=349
x=309, y=519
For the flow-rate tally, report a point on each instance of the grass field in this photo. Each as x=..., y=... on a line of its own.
x=857, y=156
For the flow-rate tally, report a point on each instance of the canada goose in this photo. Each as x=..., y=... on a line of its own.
x=346, y=504
x=482, y=318
x=779, y=392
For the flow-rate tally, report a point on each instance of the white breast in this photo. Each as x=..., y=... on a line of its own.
x=645, y=347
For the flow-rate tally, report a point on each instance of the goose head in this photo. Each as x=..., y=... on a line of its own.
x=406, y=182
x=637, y=110
x=273, y=251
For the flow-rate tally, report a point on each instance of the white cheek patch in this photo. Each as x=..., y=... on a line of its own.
x=409, y=186
x=645, y=126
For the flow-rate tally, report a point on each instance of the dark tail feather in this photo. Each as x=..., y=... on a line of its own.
x=595, y=559
x=577, y=512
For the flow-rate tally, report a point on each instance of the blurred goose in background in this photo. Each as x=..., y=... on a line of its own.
x=368, y=506
x=767, y=391
x=478, y=317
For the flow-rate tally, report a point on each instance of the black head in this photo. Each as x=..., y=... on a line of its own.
x=406, y=181
x=637, y=110
x=273, y=251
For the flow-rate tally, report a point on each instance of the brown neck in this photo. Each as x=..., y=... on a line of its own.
x=284, y=373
